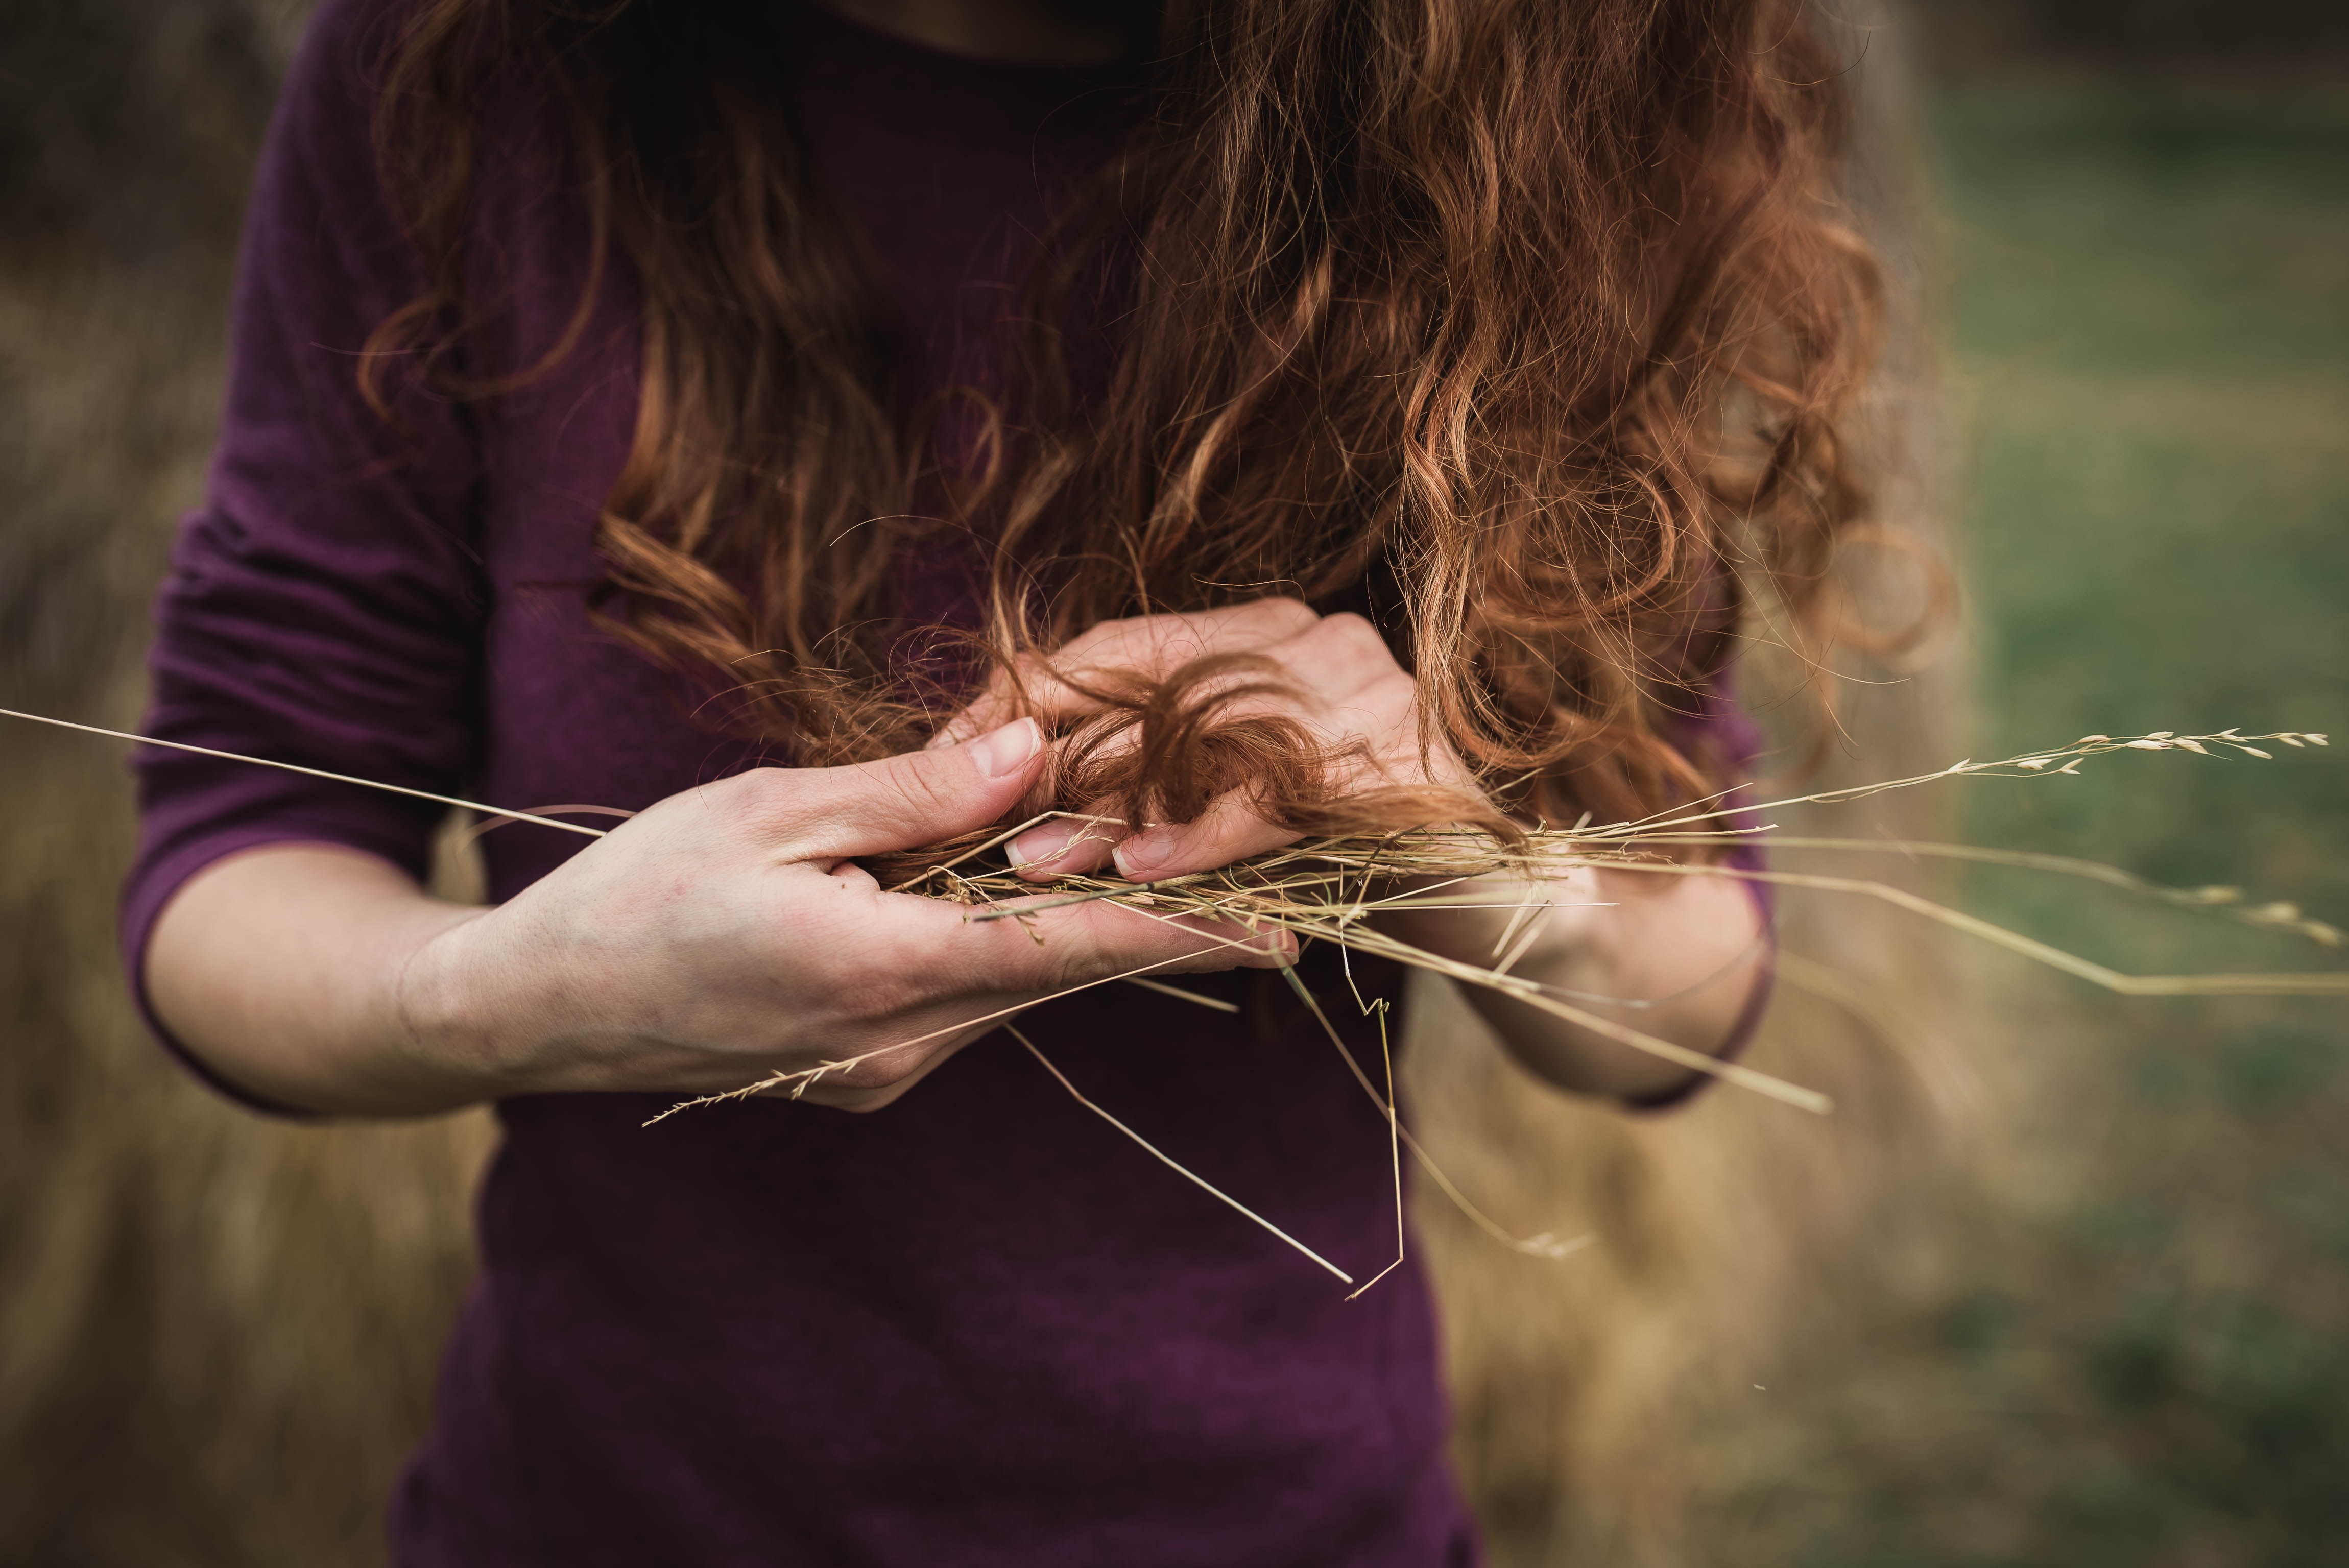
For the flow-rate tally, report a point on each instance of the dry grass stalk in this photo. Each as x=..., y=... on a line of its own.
x=1328, y=889
x=1160, y=1155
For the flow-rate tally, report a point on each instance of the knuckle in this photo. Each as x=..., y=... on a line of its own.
x=1289, y=610
x=1020, y=676
x=764, y=786
x=1175, y=638
x=1033, y=955
x=923, y=781
x=1074, y=964
x=1393, y=693
x=1083, y=951
x=1352, y=637
x=1265, y=623
x=769, y=797
x=1096, y=635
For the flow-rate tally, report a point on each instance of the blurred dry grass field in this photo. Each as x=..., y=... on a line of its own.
x=216, y=1334
x=2056, y=1292
x=2139, y=1358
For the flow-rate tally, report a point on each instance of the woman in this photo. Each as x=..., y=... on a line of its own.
x=794, y=426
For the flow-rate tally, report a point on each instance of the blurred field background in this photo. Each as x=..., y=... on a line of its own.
x=2127, y=1339
x=2143, y=1354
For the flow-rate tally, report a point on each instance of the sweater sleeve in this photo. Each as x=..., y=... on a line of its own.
x=324, y=606
x=1722, y=728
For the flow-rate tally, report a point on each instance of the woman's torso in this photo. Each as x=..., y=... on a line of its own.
x=979, y=1327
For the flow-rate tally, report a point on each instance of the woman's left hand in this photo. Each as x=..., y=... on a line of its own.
x=1686, y=942
x=1345, y=689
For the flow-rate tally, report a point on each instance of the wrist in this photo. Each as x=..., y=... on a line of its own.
x=458, y=1014
x=1547, y=921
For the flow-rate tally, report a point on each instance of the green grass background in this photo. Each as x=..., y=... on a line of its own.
x=2144, y=1358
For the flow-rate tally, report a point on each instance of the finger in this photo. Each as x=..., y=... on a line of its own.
x=1228, y=829
x=1083, y=944
x=1005, y=695
x=907, y=802
x=1373, y=712
x=1033, y=688
x=1148, y=645
x=1066, y=847
x=1056, y=949
x=1372, y=739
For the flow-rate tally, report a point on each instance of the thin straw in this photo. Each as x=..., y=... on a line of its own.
x=1160, y=1155
x=309, y=772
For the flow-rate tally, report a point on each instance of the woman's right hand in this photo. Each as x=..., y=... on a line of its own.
x=723, y=936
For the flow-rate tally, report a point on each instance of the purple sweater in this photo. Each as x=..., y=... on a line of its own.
x=977, y=1328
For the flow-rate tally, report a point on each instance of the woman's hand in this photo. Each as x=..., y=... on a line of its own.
x=1682, y=951
x=1344, y=689
x=722, y=936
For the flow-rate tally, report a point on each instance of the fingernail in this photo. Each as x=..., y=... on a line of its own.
x=1008, y=749
x=1142, y=854
x=1044, y=843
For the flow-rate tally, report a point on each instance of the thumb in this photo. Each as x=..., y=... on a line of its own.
x=920, y=798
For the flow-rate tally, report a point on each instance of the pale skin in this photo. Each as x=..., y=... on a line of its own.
x=727, y=934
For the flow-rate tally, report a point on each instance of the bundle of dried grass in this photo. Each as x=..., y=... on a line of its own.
x=1331, y=889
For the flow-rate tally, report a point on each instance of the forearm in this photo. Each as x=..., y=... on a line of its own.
x=293, y=972
x=1686, y=947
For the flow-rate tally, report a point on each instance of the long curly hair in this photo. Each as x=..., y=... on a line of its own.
x=1535, y=324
